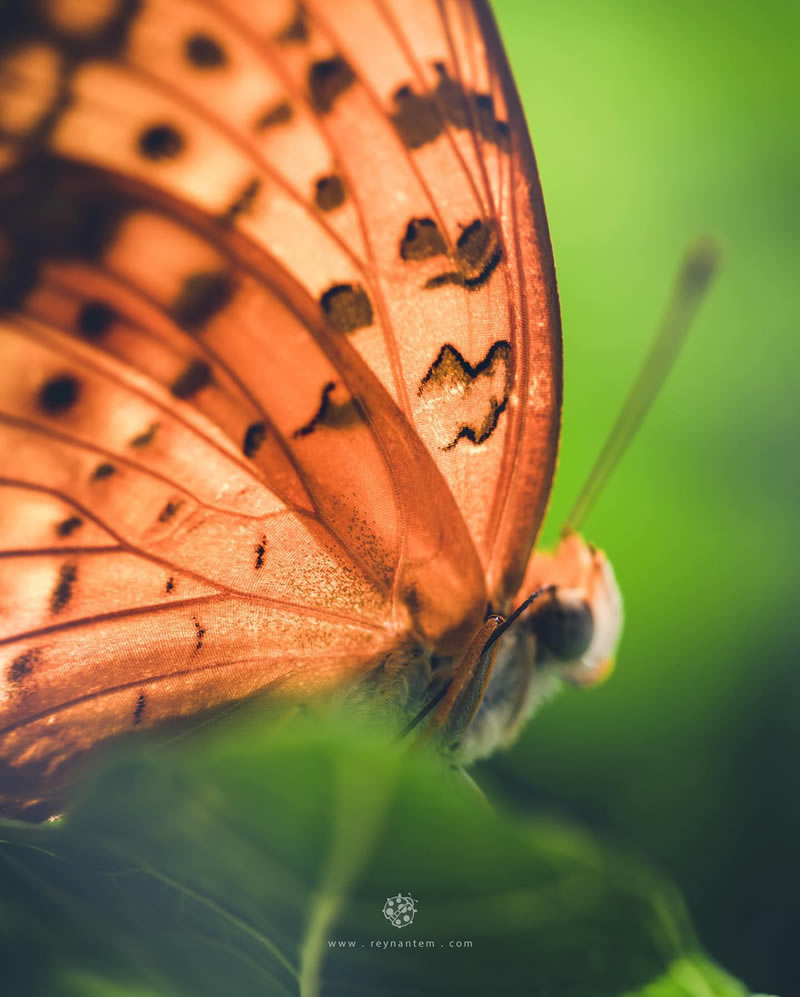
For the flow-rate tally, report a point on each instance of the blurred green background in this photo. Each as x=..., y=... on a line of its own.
x=654, y=123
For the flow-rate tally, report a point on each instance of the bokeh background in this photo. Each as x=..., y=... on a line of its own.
x=654, y=123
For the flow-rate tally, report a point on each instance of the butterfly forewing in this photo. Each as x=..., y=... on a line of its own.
x=281, y=360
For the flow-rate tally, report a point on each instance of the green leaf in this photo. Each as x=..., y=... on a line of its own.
x=257, y=859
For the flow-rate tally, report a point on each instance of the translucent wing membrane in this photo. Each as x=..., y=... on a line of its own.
x=281, y=363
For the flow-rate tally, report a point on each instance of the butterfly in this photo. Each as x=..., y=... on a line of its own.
x=281, y=376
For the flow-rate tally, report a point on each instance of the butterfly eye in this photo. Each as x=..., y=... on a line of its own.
x=563, y=629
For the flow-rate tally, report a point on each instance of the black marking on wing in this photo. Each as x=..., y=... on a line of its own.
x=450, y=367
x=161, y=141
x=490, y=127
x=329, y=193
x=261, y=549
x=22, y=666
x=104, y=470
x=138, y=710
x=63, y=591
x=243, y=203
x=204, y=52
x=68, y=526
x=170, y=587
x=296, y=30
x=346, y=307
x=331, y=414
x=59, y=394
x=45, y=217
x=416, y=117
x=146, y=438
x=469, y=109
x=327, y=79
x=477, y=256
x=253, y=438
x=486, y=429
x=421, y=117
x=94, y=319
x=201, y=296
x=106, y=38
x=422, y=240
x=193, y=379
x=200, y=633
x=169, y=510
x=278, y=114
x=29, y=23
x=452, y=373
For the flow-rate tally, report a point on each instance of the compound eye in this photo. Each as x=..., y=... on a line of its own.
x=564, y=630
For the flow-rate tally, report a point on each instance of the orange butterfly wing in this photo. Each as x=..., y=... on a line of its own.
x=281, y=371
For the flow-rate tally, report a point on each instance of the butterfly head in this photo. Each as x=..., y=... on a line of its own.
x=568, y=632
x=577, y=621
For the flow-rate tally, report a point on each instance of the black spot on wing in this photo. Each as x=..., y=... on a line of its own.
x=474, y=243
x=62, y=593
x=452, y=376
x=146, y=438
x=106, y=37
x=94, y=319
x=253, y=438
x=42, y=216
x=464, y=109
x=68, y=526
x=487, y=427
x=416, y=117
x=201, y=296
x=243, y=203
x=278, y=114
x=296, y=30
x=261, y=550
x=78, y=224
x=22, y=666
x=170, y=586
x=204, y=52
x=200, y=633
x=452, y=98
x=346, y=307
x=59, y=394
x=29, y=23
x=450, y=369
x=470, y=283
x=329, y=193
x=161, y=142
x=314, y=421
x=421, y=240
x=23, y=24
x=477, y=256
x=490, y=127
x=334, y=415
x=102, y=471
x=193, y=379
x=327, y=79
x=169, y=510
x=138, y=710
x=421, y=117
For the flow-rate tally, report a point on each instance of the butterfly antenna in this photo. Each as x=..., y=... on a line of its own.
x=699, y=266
